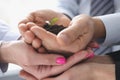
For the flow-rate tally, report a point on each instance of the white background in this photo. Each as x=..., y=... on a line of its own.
x=12, y=11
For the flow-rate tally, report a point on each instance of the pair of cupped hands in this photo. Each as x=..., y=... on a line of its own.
x=77, y=39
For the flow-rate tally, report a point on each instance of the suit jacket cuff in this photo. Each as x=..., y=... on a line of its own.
x=3, y=67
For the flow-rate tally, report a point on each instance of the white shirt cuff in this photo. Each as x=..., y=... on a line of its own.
x=10, y=35
x=112, y=24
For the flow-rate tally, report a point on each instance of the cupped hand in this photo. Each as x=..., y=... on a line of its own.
x=77, y=36
x=43, y=71
x=39, y=18
x=95, y=68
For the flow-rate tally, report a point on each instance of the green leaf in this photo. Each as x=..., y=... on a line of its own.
x=52, y=22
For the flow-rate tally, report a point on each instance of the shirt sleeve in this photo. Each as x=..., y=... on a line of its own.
x=69, y=7
x=6, y=35
x=112, y=26
x=116, y=58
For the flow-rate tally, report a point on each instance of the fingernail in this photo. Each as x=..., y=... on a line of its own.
x=61, y=60
x=90, y=55
x=97, y=46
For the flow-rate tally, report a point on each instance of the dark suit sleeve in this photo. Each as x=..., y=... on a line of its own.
x=116, y=58
x=3, y=67
x=117, y=70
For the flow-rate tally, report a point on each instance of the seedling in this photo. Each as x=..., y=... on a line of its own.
x=52, y=22
x=52, y=27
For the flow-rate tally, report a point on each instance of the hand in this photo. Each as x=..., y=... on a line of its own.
x=84, y=71
x=88, y=71
x=39, y=18
x=40, y=72
x=20, y=53
x=79, y=36
x=82, y=30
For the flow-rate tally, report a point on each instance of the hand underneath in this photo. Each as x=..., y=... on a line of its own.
x=97, y=68
x=88, y=71
x=43, y=71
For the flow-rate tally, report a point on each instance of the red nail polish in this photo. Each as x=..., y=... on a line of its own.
x=90, y=55
x=61, y=60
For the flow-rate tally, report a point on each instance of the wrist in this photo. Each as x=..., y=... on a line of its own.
x=67, y=16
x=99, y=27
x=101, y=59
x=3, y=56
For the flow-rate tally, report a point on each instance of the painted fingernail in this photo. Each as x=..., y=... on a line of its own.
x=97, y=46
x=90, y=55
x=61, y=60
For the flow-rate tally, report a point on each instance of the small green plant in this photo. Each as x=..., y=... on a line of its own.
x=52, y=22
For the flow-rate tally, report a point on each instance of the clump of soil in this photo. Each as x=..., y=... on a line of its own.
x=54, y=28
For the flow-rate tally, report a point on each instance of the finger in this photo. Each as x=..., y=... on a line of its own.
x=47, y=59
x=93, y=44
x=91, y=52
x=42, y=50
x=28, y=36
x=30, y=24
x=22, y=28
x=36, y=43
x=46, y=38
x=51, y=79
x=26, y=75
x=74, y=59
x=30, y=18
x=24, y=21
x=42, y=33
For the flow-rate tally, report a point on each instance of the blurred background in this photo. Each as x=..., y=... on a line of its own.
x=13, y=11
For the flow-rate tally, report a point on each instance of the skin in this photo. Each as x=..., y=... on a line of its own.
x=39, y=18
x=92, y=69
x=69, y=40
x=43, y=71
x=79, y=34
x=88, y=71
x=13, y=51
x=37, y=63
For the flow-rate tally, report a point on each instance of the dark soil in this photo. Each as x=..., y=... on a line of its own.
x=54, y=28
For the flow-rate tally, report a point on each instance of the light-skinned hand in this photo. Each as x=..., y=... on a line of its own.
x=95, y=68
x=39, y=17
x=20, y=53
x=40, y=72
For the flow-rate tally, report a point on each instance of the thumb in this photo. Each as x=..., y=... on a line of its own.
x=70, y=34
x=45, y=36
